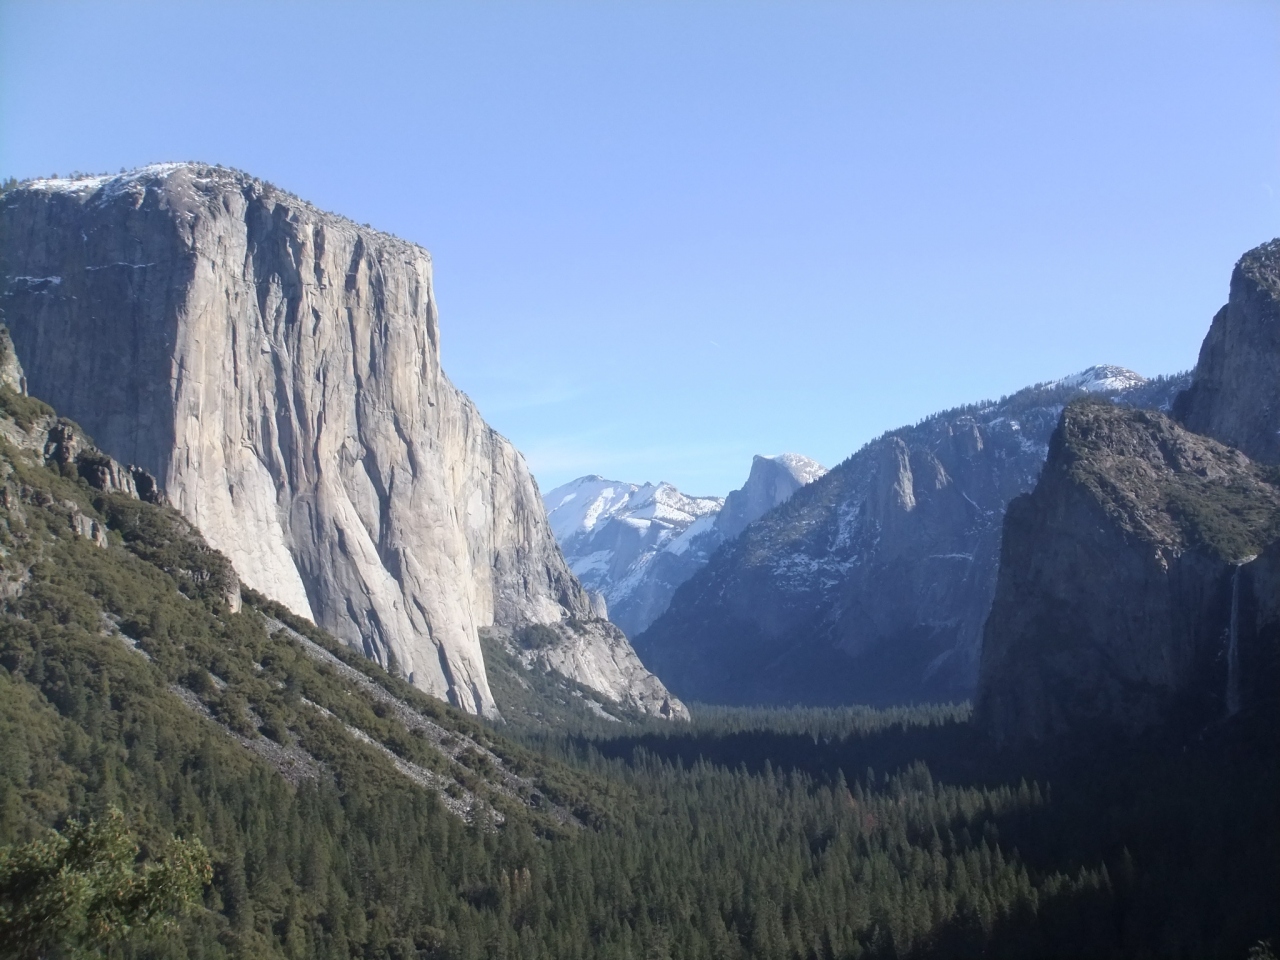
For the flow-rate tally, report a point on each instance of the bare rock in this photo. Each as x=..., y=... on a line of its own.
x=771, y=482
x=11, y=374
x=277, y=369
x=635, y=544
x=89, y=528
x=598, y=655
x=871, y=584
x=1235, y=393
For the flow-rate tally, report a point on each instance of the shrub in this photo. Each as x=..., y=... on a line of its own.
x=537, y=636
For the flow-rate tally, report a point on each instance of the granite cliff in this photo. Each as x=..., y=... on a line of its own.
x=771, y=483
x=278, y=369
x=872, y=583
x=1121, y=575
x=1235, y=394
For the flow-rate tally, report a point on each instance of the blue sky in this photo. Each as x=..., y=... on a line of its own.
x=670, y=235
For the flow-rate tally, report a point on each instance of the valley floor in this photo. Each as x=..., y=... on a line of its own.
x=347, y=815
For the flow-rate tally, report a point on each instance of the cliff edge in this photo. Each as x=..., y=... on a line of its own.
x=1235, y=393
x=278, y=369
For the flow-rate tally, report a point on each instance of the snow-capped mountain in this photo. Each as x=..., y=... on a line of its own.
x=1103, y=378
x=585, y=505
x=635, y=543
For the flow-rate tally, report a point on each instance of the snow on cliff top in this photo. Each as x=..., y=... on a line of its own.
x=804, y=469
x=114, y=181
x=102, y=188
x=1103, y=378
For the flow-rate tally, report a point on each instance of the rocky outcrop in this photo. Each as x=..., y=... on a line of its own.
x=66, y=446
x=30, y=426
x=1119, y=595
x=1235, y=393
x=90, y=529
x=11, y=374
x=278, y=369
x=635, y=544
x=598, y=655
x=872, y=583
x=62, y=444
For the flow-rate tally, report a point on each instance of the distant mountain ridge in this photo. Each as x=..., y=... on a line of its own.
x=872, y=583
x=634, y=544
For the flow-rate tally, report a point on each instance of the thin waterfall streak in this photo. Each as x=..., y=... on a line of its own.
x=1233, y=647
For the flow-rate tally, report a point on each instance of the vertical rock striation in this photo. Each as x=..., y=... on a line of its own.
x=1235, y=393
x=278, y=368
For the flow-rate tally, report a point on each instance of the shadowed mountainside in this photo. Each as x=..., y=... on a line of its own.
x=871, y=584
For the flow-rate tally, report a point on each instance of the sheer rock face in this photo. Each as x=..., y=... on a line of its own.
x=1235, y=394
x=770, y=483
x=1118, y=576
x=278, y=369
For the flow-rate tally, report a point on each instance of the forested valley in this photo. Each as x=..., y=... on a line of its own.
x=345, y=814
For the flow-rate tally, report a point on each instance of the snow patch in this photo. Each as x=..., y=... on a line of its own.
x=685, y=541
x=106, y=187
x=804, y=469
x=1104, y=378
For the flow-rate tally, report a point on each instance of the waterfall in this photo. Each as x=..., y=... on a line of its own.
x=1233, y=646
x=1233, y=640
